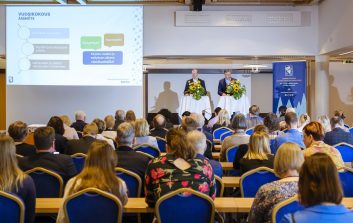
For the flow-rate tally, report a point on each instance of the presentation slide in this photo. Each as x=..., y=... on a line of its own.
x=74, y=45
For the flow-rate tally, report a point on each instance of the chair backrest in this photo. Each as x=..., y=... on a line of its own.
x=195, y=207
x=225, y=135
x=146, y=154
x=249, y=131
x=132, y=180
x=209, y=144
x=12, y=208
x=48, y=183
x=272, y=146
x=218, y=132
x=92, y=205
x=288, y=206
x=161, y=144
x=19, y=156
x=351, y=130
x=219, y=186
x=153, y=151
x=251, y=181
x=346, y=151
x=346, y=178
x=79, y=161
x=230, y=153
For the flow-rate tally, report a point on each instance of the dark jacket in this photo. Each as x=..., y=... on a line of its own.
x=247, y=165
x=338, y=135
x=160, y=132
x=60, y=143
x=79, y=125
x=202, y=82
x=222, y=86
x=25, y=149
x=79, y=145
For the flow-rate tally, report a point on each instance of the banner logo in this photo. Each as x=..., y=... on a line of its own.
x=288, y=70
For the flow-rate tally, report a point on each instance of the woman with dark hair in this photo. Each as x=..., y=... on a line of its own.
x=271, y=121
x=60, y=141
x=320, y=192
x=178, y=169
x=313, y=139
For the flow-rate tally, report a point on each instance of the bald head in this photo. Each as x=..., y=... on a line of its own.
x=159, y=121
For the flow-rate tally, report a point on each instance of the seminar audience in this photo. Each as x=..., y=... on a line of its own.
x=82, y=145
x=288, y=161
x=320, y=192
x=325, y=122
x=109, y=123
x=304, y=119
x=101, y=126
x=80, y=122
x=223, y=120
x=130, y=116
x=19, y=131
x=44, y=142
x=338, y=133
x=13, y=180
x=178, y=169
x=119, y=118
x=60, y=141
x=99, y=173
x=70, y=133
x=252, y=118
x=142, y=131
x=271, y=121
x=214, y=120
x=159, y=129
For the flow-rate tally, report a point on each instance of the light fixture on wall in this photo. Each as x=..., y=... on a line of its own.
x=255, y=68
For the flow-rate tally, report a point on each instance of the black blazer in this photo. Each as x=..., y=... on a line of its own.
x=79, y=145
x=222, y=86
x=133, y=161
x=25, y=149
x=59, y=163
x=202, y=82
x=160, y=132
x=60, y=143
x=78, y=125
x=338, y=135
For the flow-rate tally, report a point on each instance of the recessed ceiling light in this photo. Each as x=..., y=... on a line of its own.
x=341, y=54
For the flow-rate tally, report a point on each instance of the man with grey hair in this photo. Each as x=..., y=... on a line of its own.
x=197, y=141
x=80, y=122
x=338, y=133
x=127, y=157
x=119, y=118
x=159, y=129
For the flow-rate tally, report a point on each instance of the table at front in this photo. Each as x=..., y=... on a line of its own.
x=231, y=105
x=188, y=103
x=138, y=205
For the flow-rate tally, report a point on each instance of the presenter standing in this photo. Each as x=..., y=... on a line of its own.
x=222, y=85
x=195, y=79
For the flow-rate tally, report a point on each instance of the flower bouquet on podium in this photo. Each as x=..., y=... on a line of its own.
x=235, y=89
x=196, y=90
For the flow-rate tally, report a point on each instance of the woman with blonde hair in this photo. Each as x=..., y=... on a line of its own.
x=142, y=131
x=223, y=120
x=99, y=173
x=325, y=122
x=69, y=133
x=258, y=154
x=130, y=116
x=303, y=120
x=13, y=180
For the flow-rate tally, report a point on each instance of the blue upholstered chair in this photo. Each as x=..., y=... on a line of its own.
x=79, y=161
x=12, y=208
x=92, y=205
x=346, y=177
x=251, y=181
x=218, y=132
x=219, y=186
x=153, y=151
x=230, y=153
x=288, y=206
x=272, y=146
x=351, y=130
x=249, y=131
x=132, y=180
x=195, y=207
x=161, y=144
x=48, y=183
x=346, y=151
x=225, y=135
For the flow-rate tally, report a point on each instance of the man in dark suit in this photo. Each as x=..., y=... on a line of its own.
x=195, y=75
x=80, y=122
x=45, y=158
x=82, y=145
x=159, y=129
x=127, y=157
x=18, y=131
x=338, y=134
x=222, y=85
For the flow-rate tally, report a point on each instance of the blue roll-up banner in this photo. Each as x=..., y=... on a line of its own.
x=289, y=85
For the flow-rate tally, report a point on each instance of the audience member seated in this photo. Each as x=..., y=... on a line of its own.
x=178, y=169
x=258, y=154
x=19, y=131
x=82, y=145
x=313, y=139
x=304, y=119
x=101, y=126
x=44, y=141
x=127, y=157
x=80, y=122
x=214, y=119
x=168, y=117
x=200, y=120
x=159, y=127
x=69, y=133
x=119, y=118
x=292, y=134
x=320, y=192
x=223, y=120
x=338, y=133
x=13, y=180
x=99, y=173
x=130, y=116
x=282, y=112
x=197, y=141
x=60, y=141
x=109, y=123
x=288, y=161
x=271, y=121
x=185, y=114
x=142, y=131
x=252, y=118
x=340, y=113
x=325, y=122
x=238, y=138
